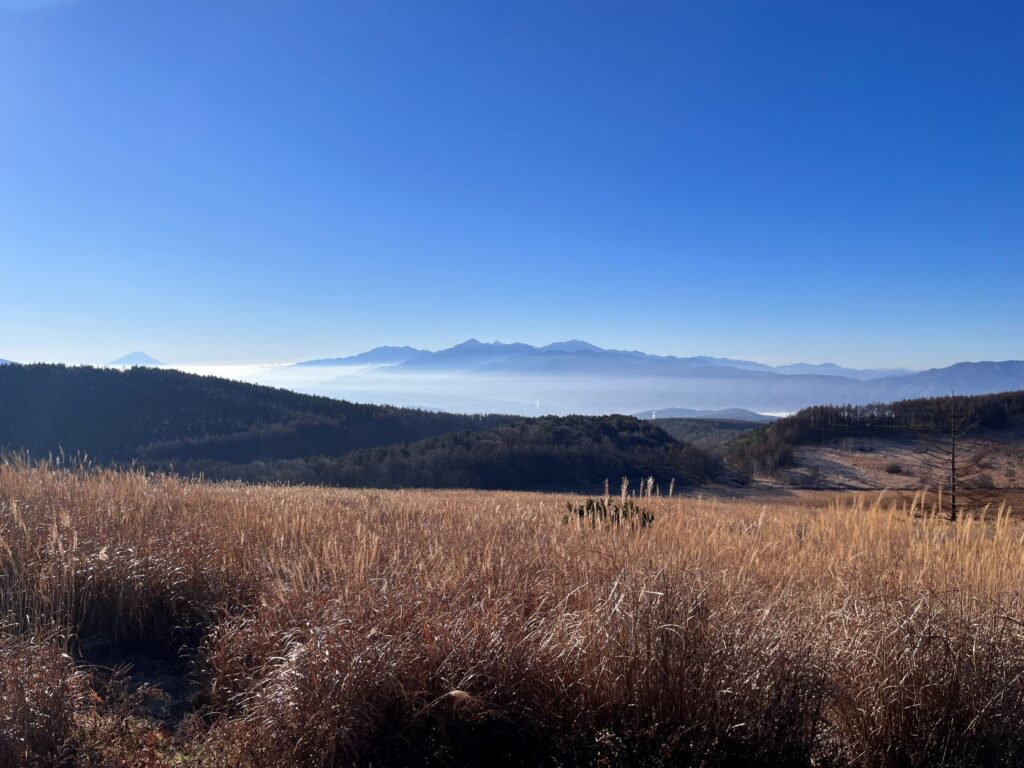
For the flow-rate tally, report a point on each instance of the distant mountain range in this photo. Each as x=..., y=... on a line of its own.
x=831, y=369
x=376, y=356
x=574, y=356
x=577, y=376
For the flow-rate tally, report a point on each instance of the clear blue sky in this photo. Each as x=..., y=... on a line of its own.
x=211, y=180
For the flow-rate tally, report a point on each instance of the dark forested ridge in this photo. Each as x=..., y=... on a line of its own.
x=770, y=447
x=710, y=434
x=166, y=415
x=165, y=419
x=546, y=453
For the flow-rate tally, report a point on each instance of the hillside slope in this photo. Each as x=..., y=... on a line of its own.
x=993, y=459
x=571, y=453
x=710, y=434
x=167, y=420
x=886, y=445
x=152, y=414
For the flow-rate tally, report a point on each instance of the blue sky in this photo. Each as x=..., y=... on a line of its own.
x=212, y=180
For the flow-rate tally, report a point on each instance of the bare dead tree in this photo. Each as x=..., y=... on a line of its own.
x=948, y=456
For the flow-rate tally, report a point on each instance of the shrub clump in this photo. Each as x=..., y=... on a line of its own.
x=604, y=512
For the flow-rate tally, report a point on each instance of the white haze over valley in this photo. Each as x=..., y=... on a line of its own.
x=574, y=377
x=457, y=392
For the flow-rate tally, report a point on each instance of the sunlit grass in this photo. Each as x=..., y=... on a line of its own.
x=349, y=627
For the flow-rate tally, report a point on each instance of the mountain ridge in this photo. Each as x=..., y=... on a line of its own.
x=385, y=355
x=499, y=356
x=576, y=376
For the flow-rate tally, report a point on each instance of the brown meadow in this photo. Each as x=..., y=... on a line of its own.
x=361, y=627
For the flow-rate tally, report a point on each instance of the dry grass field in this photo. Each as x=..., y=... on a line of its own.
x=312, y=627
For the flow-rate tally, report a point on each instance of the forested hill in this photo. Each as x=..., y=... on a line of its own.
x=151, y=414
x=167, y=420
x=547, y=453
x=772, y=446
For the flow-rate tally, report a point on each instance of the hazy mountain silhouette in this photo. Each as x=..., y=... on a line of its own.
x=376, y=356
x=831, y=369
x=961, y=379
x=573, y=356
x=469, y=355
x=576, y=376
x=573, y=345
x=136, y=358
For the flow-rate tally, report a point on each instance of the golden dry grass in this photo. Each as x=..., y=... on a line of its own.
x=361, y=627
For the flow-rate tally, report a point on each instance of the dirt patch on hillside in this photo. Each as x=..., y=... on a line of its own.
x=900, y=462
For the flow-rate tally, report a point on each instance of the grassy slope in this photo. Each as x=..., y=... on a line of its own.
x=342, y=627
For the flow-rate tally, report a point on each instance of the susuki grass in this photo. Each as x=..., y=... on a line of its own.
x=360, y=627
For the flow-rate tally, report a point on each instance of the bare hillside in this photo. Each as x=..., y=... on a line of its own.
x=899, y=461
